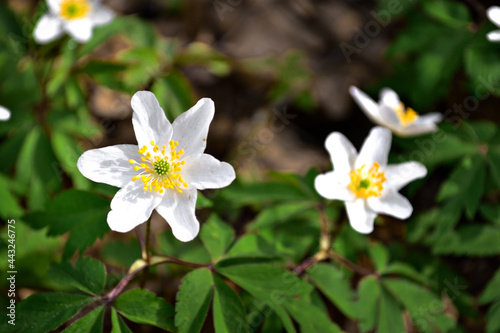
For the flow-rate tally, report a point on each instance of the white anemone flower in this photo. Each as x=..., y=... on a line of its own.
x=162, y=172
x=391, y=113
x=4, y=113
x=364, y=181
x=76, y=17
x=494, y=16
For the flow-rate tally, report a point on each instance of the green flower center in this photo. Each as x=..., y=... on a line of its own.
x=364, y=183
x=161, y=167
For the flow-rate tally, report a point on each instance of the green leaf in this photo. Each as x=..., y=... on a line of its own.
x=9, y=206
x=493, y=318
x=494, y=163
x=335, y=285
x=81, y=212
x=193, y=301
x=121, y=253
x=266, y=282
x=453, y=14
x=470, y=240
x=143, y=307
x=90, y=323
x=216, y=236
x=251, y=245
x=43, y=312
x=88, y=275
x=390, y=317
x=229, y=315
x=380, y=256
x=310, y=318
x=258, y=193
x=277, y=214
x=119, y=326
x=368, y=303
x=174, y=94
x=425, y=308
x=405, y=270
x=492, y=291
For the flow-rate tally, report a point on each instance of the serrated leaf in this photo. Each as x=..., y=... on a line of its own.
x=335, y=285
x=88, y=275
x=405, y=270
x=425, y=308
x=493, y=318
x=216, y=236
x=229, y=315
x=143, y=307
x=310, y=318
x=193, y=300
x=367, y=305
x=119, y=326
x=390, y=317
x=492, y=291
x=251, y=245
x=91, y=323
x=470, y=240
x=9, y=206
x=83, y=213
x=277, y=214
x=43, y=312
x=266, y=282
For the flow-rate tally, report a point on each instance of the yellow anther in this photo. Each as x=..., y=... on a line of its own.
x=365, y=184
x=405, y=117
x=75, y=9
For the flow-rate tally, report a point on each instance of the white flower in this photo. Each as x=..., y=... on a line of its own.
x=4, y=113
x=76, y=17
x=494, y=16
x=364, y=181
x=163, y=172
x=391, y=113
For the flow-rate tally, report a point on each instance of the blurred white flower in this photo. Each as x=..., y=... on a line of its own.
x=364, y=181
x=76, y=17
x=494, y=16
x=163, y=172
x=391, y=113
x=4, y=113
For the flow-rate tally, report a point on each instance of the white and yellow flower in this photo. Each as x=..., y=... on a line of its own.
x=493, y=14
x=4, y=113
x=75, y=17
x=391, y=113
x=162, y=172
x=364, y=181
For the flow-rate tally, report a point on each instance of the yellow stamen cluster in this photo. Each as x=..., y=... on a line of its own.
x=74, y=9
x=407, y=116
x=365, y=184
x=160, y=168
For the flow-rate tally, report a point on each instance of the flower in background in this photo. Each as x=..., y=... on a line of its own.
x=391, y=113
x=494, y=16
x=4, y=113
x=76, y=17
x=163, y=172
x=364, y=181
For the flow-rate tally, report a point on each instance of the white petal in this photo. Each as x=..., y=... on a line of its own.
x=393, y=204
x=368, y=105
x=101, y=15
x=109, y=165
x=48, y=29
x=494, y=14
x=342, y=152
x=424, y=124
x=389, y=98
x=375, y=148
x=333, y=186
x=191, y=127
x=178, y=209
x=4, y=113
x=399, y=175
x=80, y=29
x=149, y=120
x=132, y=206
x=205, y=171
x=54, y=6
x=494, y=36
x=360, y=216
